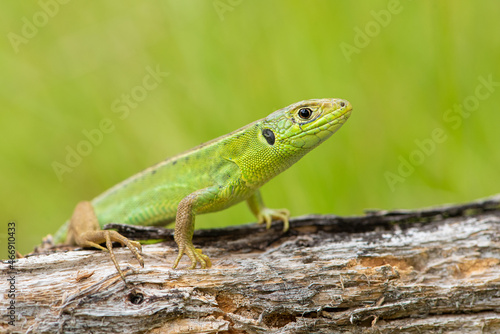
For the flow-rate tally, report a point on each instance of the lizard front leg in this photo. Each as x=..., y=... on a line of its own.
x=184, y=226
x=84, y=231
x=264, y=214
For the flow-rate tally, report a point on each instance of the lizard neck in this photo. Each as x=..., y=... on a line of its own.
x=258, y=160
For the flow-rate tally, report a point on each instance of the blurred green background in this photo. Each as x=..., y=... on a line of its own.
x=406, y=66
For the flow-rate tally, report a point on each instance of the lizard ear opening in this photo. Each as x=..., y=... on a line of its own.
x=269, y=135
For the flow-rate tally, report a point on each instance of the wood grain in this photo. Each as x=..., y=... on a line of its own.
x=423, y=271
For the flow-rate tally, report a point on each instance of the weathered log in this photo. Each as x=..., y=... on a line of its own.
x=422, y=271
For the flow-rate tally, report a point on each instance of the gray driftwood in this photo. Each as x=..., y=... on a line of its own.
x=426, y=271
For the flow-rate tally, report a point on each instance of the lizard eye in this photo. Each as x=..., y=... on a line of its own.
x=305, y=113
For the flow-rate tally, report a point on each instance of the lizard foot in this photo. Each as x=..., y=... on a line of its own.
x=94, y=238
x=267, y=215
x=195, y=254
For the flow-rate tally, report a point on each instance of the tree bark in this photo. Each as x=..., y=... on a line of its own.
x=424, y=271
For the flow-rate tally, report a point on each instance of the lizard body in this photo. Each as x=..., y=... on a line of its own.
x=207, y=178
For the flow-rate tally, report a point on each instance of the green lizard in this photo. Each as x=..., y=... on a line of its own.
x=207, y=178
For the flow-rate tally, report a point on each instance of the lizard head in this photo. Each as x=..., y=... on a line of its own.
x=268, y=146
x=302, y=126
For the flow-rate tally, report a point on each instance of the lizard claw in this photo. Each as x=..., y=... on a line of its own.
x=84, y=231
x=267, y=215
x=94, y=238
x=195, y=254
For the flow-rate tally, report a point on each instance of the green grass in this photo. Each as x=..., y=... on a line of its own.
x=226, y=73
